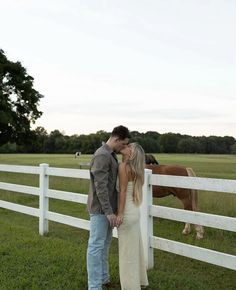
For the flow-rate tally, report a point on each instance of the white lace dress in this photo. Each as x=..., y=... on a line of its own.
x=132, y=267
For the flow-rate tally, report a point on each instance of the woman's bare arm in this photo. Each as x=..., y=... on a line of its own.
x=123, y=182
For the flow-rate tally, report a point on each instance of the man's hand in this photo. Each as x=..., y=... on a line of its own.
x=112, y=220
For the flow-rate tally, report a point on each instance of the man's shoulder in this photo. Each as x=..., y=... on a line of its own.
x=103, y=150
x=101, y=158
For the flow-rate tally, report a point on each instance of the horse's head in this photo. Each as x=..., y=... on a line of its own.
x=150, y=159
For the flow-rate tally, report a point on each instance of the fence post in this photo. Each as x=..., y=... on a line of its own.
x=43, y=200
x=147, y=220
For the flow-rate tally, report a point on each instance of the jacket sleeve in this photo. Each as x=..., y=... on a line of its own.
x=100, y=171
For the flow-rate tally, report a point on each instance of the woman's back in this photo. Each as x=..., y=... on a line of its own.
x=131, y=210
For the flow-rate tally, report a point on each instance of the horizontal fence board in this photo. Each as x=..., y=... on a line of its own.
x=68, y=220
x=204, y=219
x=72, y=221
x=65, y=172
x=69, y=196
x=197, y=253
x=19, y=188
x=19, y=169
x=209, y=184
x=20, y=208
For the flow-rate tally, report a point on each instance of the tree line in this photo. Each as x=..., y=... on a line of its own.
x=19, y=103
x=39, y=141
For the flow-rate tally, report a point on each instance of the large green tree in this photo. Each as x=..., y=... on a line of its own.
x=18, y=101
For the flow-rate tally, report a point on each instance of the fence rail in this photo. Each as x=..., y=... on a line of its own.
x=194, y=217
x=20, y=208
x=197, y=253
x=148, y=210
x=200, y=183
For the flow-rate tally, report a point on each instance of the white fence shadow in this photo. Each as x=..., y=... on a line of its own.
x=148, y=210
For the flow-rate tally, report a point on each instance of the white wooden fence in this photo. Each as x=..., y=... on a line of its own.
x=148, y=210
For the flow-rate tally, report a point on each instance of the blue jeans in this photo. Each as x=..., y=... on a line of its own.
x=97, y=252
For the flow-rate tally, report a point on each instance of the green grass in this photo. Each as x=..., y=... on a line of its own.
x=58, y=260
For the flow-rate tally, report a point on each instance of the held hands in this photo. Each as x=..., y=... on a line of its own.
x=115, y=221
x=112, y=220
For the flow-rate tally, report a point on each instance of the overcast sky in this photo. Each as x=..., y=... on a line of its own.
x=151, y=65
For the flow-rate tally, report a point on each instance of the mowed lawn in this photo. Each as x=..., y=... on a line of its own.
x=58, y=260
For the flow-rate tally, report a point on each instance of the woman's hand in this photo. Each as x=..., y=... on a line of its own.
x=119, y=220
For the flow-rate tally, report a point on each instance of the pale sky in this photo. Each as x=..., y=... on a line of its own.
x=151, y=65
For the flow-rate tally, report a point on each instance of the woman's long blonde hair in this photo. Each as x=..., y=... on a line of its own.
x=136, y=162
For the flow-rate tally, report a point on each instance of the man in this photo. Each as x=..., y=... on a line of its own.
x=102, y=206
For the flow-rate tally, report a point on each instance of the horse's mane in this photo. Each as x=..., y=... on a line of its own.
x=150, y=159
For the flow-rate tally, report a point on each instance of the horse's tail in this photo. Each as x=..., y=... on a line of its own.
x=194, y=192
x=194, y=199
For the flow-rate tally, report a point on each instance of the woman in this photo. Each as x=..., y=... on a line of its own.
x=132, y=267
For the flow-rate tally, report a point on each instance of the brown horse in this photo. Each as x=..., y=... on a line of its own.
x=187, y=196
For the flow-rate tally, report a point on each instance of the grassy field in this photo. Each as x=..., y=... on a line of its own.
x=58, y=260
